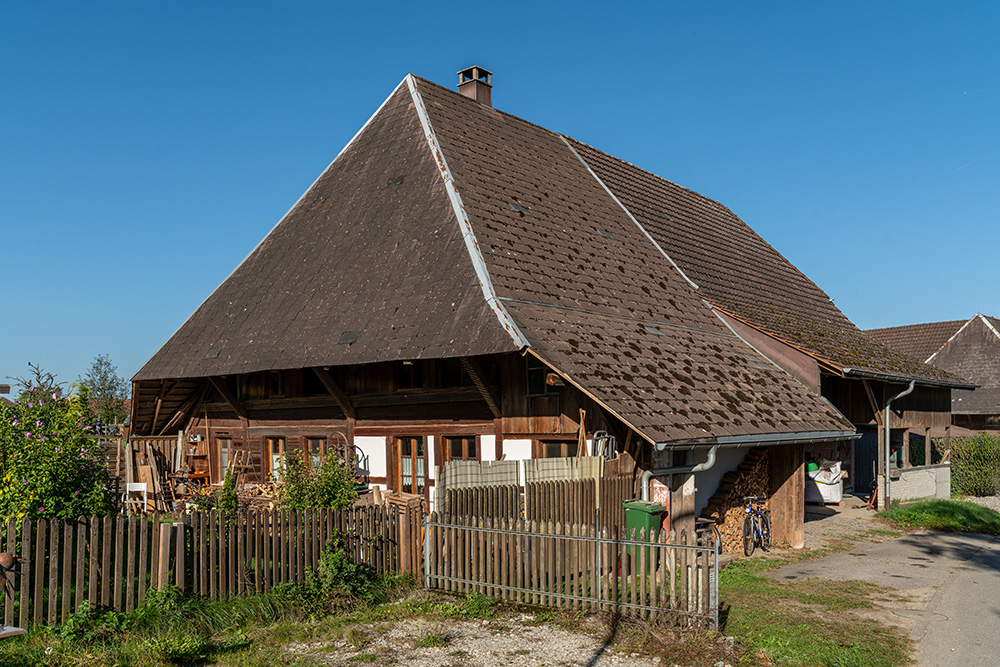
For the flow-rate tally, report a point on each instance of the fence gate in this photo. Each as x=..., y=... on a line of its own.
x=576, y=566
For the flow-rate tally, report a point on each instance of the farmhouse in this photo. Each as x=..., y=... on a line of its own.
x=460, y=284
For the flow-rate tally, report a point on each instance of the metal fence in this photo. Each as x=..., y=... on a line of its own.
x=576, y=566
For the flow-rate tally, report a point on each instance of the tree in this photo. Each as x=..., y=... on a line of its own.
x=41, y=381
x=108, y=391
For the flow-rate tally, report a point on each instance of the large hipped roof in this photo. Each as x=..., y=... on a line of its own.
x=448, y=228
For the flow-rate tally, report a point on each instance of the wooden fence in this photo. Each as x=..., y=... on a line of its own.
x=577, y=501
x=575, y=566
x=111, y=562
x=565, y=501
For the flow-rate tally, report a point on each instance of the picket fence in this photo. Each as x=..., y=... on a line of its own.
x=566, y=501
x=111, y=562
x=576, y=566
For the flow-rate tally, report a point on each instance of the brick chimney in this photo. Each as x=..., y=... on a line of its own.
x=474, y=82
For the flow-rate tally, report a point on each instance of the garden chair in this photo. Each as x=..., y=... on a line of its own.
x=131, y=497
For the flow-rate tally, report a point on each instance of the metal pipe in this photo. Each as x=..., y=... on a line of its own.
x=704, y=465
x=888, y=438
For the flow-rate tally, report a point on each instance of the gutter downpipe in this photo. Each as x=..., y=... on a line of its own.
x=704, y=465
x=888, y=438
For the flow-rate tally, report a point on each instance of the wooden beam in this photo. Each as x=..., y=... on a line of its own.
x=220, y=384
x=476, y=373
x=185, y=408
x=334, y=389
x=874, y=404
x=159, y=404
x=416, y=397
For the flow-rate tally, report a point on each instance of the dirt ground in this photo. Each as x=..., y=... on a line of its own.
x=522, y=641
x=513, y=642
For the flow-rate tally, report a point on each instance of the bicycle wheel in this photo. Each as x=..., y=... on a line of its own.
x=749, y=538
x=765, y=530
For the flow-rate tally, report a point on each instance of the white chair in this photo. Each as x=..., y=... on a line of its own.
x=130, y=497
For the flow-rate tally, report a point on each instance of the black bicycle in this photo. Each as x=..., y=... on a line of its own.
x=756, y=525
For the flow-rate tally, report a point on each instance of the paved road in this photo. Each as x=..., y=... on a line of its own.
x=953, y=582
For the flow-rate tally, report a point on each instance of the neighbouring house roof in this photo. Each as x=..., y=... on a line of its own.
x=920, y=341
x=966, y=348
x=447, y=228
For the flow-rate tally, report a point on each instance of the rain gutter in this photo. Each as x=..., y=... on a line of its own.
x=887, y=377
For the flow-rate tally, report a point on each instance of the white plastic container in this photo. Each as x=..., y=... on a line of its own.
x=825, y=485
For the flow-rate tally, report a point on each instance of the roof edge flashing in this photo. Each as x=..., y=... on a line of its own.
x=468, y=234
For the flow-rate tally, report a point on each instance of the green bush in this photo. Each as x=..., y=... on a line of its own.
x=228, y=500
x=51, y=465
x=329, y=484
x=975, y=466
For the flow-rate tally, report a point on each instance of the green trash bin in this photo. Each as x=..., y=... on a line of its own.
x=642, y=515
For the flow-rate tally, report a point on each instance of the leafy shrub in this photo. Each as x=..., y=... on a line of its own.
x=975, y=466
x=181, y=648
x=329, y=484
x=50, y=465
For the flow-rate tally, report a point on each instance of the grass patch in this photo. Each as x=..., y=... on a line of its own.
x=791, y=623
x=951, y=516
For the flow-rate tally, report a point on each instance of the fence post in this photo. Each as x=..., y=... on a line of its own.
x=180, y=579
x=405, y=555
x=163, y=558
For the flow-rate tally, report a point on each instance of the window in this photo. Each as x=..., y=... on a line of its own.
x=408, y=464
x=459, y=448
x=555, y=449
x=224, y=447
x=537, y=373
x=275, y=450
x=317, y=451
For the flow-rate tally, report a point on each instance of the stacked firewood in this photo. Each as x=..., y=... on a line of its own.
x=726, y=506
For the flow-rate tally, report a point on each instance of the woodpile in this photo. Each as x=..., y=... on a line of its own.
x=726, y=506
x=258, y=496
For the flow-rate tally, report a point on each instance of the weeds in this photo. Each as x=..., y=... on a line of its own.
x=432, y=640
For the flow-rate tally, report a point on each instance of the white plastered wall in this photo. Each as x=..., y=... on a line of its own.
x=374, y=447
x=487, y=448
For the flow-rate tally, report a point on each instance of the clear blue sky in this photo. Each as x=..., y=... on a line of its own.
x=145, y=148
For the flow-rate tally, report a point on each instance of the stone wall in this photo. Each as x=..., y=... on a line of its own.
x=922, y=483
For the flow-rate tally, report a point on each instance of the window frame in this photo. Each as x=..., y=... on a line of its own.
x=540, y=445
x=396, y=460
x=443, y=448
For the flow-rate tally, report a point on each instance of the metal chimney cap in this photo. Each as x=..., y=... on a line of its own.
x=475, y=73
